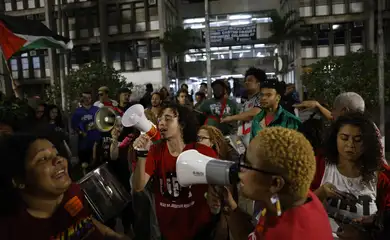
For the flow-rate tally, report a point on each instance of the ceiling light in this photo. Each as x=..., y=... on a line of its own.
x=240, y=16
x=194, y=20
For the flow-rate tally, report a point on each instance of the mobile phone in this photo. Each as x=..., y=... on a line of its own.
x=340, y=219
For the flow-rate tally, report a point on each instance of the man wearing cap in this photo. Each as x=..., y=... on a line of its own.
x=219, y=107
x=104, y=99
x=272, y=114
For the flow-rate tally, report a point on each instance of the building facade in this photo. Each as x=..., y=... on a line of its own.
x=338, y=27
x=122, y=33
x=239, y=30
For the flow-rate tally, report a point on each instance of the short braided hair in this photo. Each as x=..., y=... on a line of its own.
x=289, y=153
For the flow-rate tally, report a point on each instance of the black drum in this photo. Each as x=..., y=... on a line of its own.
x=106, y=196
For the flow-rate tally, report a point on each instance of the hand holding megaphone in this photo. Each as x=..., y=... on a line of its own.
x=142, y=143
x=135, y=117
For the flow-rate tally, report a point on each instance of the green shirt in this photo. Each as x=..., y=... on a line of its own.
x=212, y=109
x=282, y=118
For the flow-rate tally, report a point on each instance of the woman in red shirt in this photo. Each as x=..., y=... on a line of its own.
x=182, y=212
x=38, y=199
x=276, y=173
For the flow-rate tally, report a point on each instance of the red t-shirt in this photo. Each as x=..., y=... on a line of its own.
x=181, y=212
x=306, y=222
x=268, y=119
x=72, y=220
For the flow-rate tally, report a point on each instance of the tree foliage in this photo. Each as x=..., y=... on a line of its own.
x=177, y=40
x=287, y=27
x=15, y=112
x=355, y=72
x=89, y=77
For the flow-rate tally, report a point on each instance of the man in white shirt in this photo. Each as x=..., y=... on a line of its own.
x=253, y=79
x=104, y=99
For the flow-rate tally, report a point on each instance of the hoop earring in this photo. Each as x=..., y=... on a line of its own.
x=275, y=200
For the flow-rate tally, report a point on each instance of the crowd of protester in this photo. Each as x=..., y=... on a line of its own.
x=306, y=172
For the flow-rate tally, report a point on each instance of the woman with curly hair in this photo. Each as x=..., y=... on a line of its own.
x=212, y=137
x=276, y=173
x=346, y=180
x=182, y=212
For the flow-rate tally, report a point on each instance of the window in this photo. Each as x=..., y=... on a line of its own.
x=126, y=13
x=153, y=13
x=305, y=3
x=323, y=34
x=339, y=33
x=25, y=65
x=14, y=64
x=308, y=41
x=155, y=48
x=94, y=19
x=36, y=63
x=82, y=21
x=140, y=15
x=356, y=32
x=142, y=51
x=112, y=17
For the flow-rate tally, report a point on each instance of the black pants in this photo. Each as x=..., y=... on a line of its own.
x=127, y=218
x=85, y=155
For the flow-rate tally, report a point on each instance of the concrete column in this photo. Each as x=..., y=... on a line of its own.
x=103, y=30
x=370, y=28
x=50, y=24
x=164, y=59
x=5, y=80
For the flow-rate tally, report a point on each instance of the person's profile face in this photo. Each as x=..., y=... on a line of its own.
x=204, y=138
x=102, y=96
x=252, y=183
x=156, y=101
x=46, y=171
x=350, y=142
x=40, y=111
x=53, y=113
x=182, y=98
x=168, y=124
x=269, y=97
x=124, y=97
x=218, y=91
x=251, y=83
x=86, y=99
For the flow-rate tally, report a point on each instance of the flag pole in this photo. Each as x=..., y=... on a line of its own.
x=15, y=86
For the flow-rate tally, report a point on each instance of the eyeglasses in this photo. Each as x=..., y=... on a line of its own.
x=101, y=94
x=201, y=138
x=242, y=164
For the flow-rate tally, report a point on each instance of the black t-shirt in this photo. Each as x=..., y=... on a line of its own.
x=103, y=147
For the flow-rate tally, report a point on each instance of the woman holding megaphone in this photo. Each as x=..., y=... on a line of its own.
x=182, y=212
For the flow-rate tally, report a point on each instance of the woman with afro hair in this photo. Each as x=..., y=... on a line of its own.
x=276, y=173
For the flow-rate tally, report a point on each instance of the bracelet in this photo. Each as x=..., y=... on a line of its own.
x=141, y=153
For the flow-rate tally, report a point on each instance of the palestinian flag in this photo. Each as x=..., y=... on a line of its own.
x=19, y=34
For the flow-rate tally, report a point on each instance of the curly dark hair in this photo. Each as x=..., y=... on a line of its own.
x=371, y=159
x=59, y=122
x=187, y=120
x=259, y=74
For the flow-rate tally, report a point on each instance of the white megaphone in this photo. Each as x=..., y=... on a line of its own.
x=193, y=167
x=135, y=117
